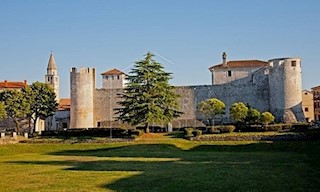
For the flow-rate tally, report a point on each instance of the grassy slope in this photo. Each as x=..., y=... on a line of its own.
x=159, y=163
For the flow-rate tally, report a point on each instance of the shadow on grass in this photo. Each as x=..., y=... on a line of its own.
x=279, y=166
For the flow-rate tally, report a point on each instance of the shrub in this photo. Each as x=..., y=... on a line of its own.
x=255, y=128
x=226, y=128
x=286, y=126
x=213, y=130
x=266, y=117
x=275, y=127
x=221, y=129
x=300, y=127
x=197, y=133
x=137, y=132
x=134, y=136
x=188, y=132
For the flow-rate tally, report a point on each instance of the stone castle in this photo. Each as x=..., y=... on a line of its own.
x=273, y=85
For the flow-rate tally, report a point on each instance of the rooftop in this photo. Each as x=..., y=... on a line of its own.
x=13, y=84
x=113, y=72
x=241, y=63
x=64, y=104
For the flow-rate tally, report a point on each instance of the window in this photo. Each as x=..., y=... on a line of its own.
x=306, y=109
x=229, y=73
x=118, y=77
x=293, y=63
x=64, y=125
x=99, y=124
x=106, y=77
x=306, y=93
x=112, y=77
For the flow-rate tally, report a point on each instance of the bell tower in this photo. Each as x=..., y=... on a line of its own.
x=52, y=77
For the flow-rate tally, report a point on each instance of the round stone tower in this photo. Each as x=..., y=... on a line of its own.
x=82, y=85
x=285, y=88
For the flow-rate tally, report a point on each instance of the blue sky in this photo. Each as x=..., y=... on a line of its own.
x=191, y=34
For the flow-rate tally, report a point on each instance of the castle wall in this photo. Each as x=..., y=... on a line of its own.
x=105, y=101
x=252, y=90
x=275, y=88
x=82, y=93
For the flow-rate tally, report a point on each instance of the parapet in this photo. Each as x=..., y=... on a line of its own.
x=82, y=70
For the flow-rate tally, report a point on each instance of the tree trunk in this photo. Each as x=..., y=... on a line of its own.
x=16, y=121
x=147, y=128
x=34, y=125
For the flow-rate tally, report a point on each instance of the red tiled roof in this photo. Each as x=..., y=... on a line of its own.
x=242, y=63
x=113, y=72
x=315, y=88
x=64, y=104
x=13, y=85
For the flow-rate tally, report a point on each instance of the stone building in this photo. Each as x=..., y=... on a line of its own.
x=307, y=105
x=7, y=123
x=52, y=77
x=61, y=118
x=273, y=85
x=12, y=85
x=113, y=79
x=316, y=102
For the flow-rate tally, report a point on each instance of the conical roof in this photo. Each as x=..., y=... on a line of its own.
x=52, y=62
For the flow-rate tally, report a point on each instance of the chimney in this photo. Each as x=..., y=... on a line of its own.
x=25, y=83
x=224, y=59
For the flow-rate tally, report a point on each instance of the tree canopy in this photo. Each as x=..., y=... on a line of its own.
x=16, y=105
x=42, y=100
x=33, y=102
x=2, y=110
x=148, y=96
x=253, y=115
x=239, y=111
x=210, y=108
x=266, y=117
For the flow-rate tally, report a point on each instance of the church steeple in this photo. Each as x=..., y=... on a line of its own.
x=52, y=77
x=52, y=68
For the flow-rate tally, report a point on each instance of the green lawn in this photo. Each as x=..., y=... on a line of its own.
x=160, y=163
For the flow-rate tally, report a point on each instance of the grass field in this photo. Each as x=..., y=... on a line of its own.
x=160, y=163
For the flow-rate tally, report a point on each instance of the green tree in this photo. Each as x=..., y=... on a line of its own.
x=253, y=115
x=148, y=97
x=210, y=108
x=16, y=105
x=239, y=111
x=266, y=118
x=2, y=110
x=42, y=100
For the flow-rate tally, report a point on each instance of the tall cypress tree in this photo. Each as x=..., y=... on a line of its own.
x=148, y=97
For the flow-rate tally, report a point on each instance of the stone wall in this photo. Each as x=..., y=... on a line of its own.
x=253, y=90
x=105, y=101
x=220, y=75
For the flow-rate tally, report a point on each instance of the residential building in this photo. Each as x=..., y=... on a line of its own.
x=307, y=105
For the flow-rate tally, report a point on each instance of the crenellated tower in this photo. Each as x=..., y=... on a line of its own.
x=52, y=77
x=82, y=85
x=285, y=87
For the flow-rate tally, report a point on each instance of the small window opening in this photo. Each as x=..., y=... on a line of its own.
x=229, y=73
x=293, y=63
